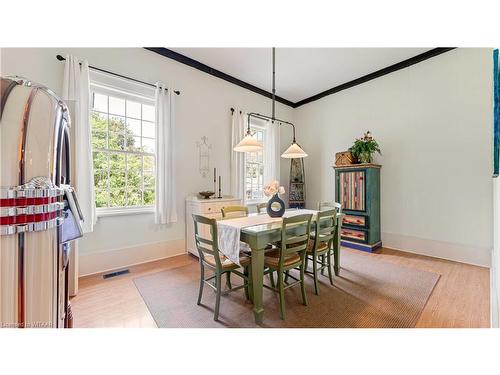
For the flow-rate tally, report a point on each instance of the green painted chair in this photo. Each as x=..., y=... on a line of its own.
x=291, y=254
x=261, y=208
x=234, y=211
x=329, y=205
x=320, y=248
x=322, y=206
x=211, y=258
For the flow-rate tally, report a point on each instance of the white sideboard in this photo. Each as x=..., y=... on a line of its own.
x=207, y=207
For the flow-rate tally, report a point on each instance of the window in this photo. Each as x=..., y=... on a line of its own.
x=254, y=168
x=123, y=147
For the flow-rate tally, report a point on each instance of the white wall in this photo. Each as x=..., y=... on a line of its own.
x=433, y=121
x=202, y=110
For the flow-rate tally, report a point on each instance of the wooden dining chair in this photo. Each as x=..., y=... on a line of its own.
x=262, y=208
x=320, y=247
x=234, y=211
x=211, y=258
x=292, y=254
x=329, y=206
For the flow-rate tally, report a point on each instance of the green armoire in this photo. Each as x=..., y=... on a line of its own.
x=357, y=188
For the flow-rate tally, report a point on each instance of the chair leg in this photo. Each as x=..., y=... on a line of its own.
x=329, y=259
x=302, y=283
x=306, y=261
x=202, y=282
x=286, y=276
x=271, y=278
x=228, y=280
x=281, y=287
x=315, y=274
x=246, y=273
x=217, y=295
x=322, y=264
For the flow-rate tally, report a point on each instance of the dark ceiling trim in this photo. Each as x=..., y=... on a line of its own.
x=214, y=72
x=379, y=73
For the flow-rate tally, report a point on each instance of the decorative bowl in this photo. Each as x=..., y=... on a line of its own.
x=206, y=194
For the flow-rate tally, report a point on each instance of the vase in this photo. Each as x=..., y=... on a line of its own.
x=365, y=157
x=275, y=206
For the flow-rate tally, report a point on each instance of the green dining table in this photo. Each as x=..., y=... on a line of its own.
x=258, y=237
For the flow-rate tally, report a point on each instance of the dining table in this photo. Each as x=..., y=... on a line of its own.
x=269, y=231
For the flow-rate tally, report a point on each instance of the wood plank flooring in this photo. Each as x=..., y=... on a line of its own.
x=460, y=299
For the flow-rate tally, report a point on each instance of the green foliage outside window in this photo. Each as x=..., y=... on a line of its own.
x=121, y=179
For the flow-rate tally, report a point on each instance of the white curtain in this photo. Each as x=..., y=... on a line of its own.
x=238, y=130
x=271, y=152
x=166, y=210
x=76, y=94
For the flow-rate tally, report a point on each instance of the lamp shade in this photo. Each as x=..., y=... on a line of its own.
x=248, y=144
x=294, y=151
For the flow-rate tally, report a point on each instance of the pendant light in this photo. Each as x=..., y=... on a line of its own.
x=250, y=144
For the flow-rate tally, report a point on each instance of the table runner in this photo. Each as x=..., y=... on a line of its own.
x=229, y=231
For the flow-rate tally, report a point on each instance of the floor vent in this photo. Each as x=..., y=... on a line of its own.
x=116, y=273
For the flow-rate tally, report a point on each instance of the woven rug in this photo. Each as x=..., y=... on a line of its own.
x=368, y=293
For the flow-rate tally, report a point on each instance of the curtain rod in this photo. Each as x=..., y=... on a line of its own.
x=61, y=58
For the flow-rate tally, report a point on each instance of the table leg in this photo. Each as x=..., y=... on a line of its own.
x=257, y=282
x=336, y=248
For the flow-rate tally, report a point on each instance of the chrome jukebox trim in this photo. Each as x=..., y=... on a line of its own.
x=31, y=210
x=21, y=192
x=6, y=230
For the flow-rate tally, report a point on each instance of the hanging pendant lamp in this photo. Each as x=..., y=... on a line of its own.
x=250, y=144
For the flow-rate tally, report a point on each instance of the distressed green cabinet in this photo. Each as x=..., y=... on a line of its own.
x=357, y=188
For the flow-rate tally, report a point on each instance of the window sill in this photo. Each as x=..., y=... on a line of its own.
x=104, y=212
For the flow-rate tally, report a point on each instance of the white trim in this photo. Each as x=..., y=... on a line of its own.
x=110, y=260
x=120, y=211
x=477, y=256
x=122, y=87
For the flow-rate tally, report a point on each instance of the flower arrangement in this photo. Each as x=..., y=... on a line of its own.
x=364, y=148
x=273, y=188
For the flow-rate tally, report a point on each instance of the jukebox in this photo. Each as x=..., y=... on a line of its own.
x=39, y=213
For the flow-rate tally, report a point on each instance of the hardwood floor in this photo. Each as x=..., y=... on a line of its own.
x=460, y=299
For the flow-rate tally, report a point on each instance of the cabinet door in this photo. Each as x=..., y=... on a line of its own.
x=351, y=187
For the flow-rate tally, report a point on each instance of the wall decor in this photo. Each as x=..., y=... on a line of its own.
x=297, y=191
x=203, y=156
x=496, y=115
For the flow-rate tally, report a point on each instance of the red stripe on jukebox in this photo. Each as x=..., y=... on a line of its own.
x=21, y=202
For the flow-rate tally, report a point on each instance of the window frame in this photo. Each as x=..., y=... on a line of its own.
x=261, y=126
x=128, y=92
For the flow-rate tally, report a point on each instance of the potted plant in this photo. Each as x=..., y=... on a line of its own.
x=364, y=148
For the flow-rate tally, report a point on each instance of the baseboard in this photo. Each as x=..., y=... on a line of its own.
x=494, y=292
x=438, y=249
x=110, y=260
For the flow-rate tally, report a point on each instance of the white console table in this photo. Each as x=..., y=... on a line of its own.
x=206, y=207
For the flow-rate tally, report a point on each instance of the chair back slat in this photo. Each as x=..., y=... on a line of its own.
x=234, y=211
x=325, y=227
x=261, y=208
x=322, y=206
x=294, y=235
x=211, y=242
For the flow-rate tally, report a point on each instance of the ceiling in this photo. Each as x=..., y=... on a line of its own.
x=300, y=72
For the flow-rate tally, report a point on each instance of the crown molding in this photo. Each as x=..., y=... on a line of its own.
x=379, y=73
